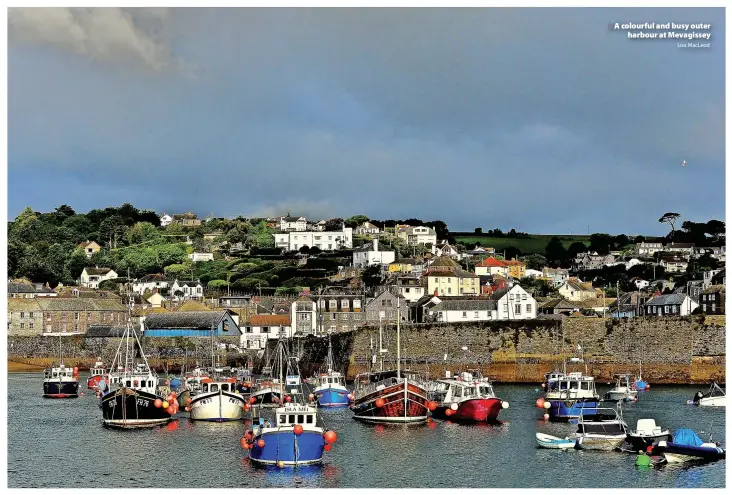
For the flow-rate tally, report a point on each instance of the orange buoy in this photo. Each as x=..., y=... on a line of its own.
x=244, y=443
x=260, y=443
x=297, y=429
x=288, y=398
x=170, y=410
x=252, y=400
x=648, y=386
x=540, y=402
x=247, y=407
x=448, y=412
x=165, y=404
x=76, y=370
x=330, y=436
x=327, y=447
x=380, y=402
x=431, y=405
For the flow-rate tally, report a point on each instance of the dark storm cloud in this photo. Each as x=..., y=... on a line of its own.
x=542, y=120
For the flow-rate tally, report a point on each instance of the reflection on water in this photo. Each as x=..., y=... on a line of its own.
x=394, y=456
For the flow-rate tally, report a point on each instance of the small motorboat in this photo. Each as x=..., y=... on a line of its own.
x=550, y=442
x=601, y=431
x=646, y=433
x=714, y=397
x=623, y=390
x=96, y=374
x=467, y=398
x=687, y=446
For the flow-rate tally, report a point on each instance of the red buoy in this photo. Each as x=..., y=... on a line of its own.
x=288, y=398
x=380, y=402
x=252, y=400
x=311, y=397
x=170, y=410
x=260, y=443
x=158, y=403
x=330, y=436
x=327, y=447
x=297, y=429
x=431, y=405
x=540, y=402
x=247, y=407
x=448, y=412
x=244, y=443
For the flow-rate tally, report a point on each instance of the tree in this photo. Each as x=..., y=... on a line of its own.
x=65, y=211
x=601, y=243
x=670, y=218
x=112, y=229
x=356, y=220
x=576, y=248
x=555, y=251
x=334, y=225
x=371, y=276
x=511, y=252
x=142, y=232
x=478, y=230
x=534, y=261
x=439, y=227
x=716, y=229
x=315, y=250
x=304, y=249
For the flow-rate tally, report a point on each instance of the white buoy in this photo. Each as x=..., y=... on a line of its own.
x=454, y=406
x=504, y=404
x=547, y=405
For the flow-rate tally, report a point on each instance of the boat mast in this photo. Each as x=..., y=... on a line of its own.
x=330, y=354
x=381, y=347
x=399, y=374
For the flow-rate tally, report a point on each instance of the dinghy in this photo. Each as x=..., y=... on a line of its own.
x=550, y=442
x=715, y=397
x=687, y=446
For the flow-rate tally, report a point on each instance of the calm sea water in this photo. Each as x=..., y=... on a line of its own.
x=43, y=434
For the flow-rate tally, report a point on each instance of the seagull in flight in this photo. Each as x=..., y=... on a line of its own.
x=683, y=164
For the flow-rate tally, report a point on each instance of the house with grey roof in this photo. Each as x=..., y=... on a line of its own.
x=383, y=308
x=93, y=276
x=293, y=224
x=451, y=310
x=712, y=300
x=670, y=305
x=23, y=290
x=192, y=324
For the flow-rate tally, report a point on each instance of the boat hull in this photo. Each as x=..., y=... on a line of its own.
x=401, y=405
x=128, y=408
x=571, y=409
x=93, y=382
x=642, y=442
x=550, y=442
x=286, y=447
x=471, y=410
x=600, y=442
x=60, y=389
x=622, y=395
x=677, y=453
x=332, y=397
x=718, y=401
x=217, y=406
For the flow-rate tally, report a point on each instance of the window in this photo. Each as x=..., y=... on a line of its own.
x=76, y=316
x=665, y=309
x=48, y=328
x=22, y=326
x=48, y=316
x=437, y=280
x=465, y=314
x=704, y=308
x=88, y=316
x=344, y=304
x=523, y=297
x=476, y=315
x=30, y=325
x=309, y=419
x=505, y=307
x=714, y=308
x=282, y=418
x=332, y=304
x=528, y=308
x=449, y=290
x=22, y=314
x=332, y=316
x=673, y=309
x=518, y=309
x=322, y=304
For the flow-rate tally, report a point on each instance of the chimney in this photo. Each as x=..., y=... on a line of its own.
x=376, y=244
x=435, y=292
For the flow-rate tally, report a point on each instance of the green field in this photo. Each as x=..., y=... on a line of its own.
x=533, y=244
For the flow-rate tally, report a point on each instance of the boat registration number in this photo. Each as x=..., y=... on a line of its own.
x=233, y=400
x=205, y=401
x=143, y=402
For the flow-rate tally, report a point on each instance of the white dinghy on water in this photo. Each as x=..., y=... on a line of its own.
x=715, y=397
x=550, y=442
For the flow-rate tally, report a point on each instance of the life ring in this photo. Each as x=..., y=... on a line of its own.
x=135, y=383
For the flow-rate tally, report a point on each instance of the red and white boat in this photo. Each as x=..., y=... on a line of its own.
x=96, y=374
x=468, y=397
x=389, y=397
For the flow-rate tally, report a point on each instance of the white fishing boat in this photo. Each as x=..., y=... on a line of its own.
x=715, y=397
x=623, y=389
x=550, y=442
x=218, y=401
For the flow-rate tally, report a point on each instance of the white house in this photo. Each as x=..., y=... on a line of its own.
x=196, y=257
x=156, y=300
x=514, y=303
x=260, y=328
x=369, y=254
x=410, y=288
x=320, y=226
x=648, y=249
x=674, y=264
x=418, y=235
x=165, y=220
x=632, y=262
x=190, y=289
x=304, y=316
x=640, y=283
x=451, y=310
x=325, y=241
x=367, y=228
x=670, y=305
x=93, y=276
x=297, y=224
x=150, y=282
x=533, y=273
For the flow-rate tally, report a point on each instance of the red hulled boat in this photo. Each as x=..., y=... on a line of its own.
x=466, y=398
x=96, y=373
x=387, y=397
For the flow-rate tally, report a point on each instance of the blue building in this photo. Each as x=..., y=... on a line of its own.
x=192, y=324
x=629, y=305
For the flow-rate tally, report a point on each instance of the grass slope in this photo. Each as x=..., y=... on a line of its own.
x=533, y=244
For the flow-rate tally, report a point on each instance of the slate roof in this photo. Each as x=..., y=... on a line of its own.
x=292, y=219
x=445, y=261
x=105, y=331
x=189, y=283
x=713, y=289
x=79, y=304
x=154, y=277
x=195, y=320
x=666, y=299
x=21, y=288
x=23, y=304
x=466, y=305
x=91, y=270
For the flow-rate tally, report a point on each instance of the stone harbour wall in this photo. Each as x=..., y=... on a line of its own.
x=674, y=350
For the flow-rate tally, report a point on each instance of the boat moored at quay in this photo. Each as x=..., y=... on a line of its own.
x=96, y=374
x=217, y=401
x=468, y=397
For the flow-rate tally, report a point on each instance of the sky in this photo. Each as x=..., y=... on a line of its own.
x=540, y=119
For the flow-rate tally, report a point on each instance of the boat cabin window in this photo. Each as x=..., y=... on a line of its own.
x=309, y=419
x=574, y=385
x=224, y=387
x=129, y=383
x=585, y=385
x=485, y=390
x=300, y=419
x=563, y=386
x=469, y=391
x=291, y=418
x=142, y=383
x=214, y=387
x=282, y=419
x=458, y=392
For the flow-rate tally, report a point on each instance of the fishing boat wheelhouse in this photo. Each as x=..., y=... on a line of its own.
x=571, y=395
x=96, y=374
x=59, y=382
x=468, y=397
x=623, y=389
x=716, y=397
x=390, y=397
x=330, y=389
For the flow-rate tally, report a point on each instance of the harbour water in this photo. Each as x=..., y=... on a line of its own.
x=62, y=443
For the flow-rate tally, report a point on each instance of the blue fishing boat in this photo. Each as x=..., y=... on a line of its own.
x=640, y=384
x=294, y=434
x=330, y=390
x=571, y=395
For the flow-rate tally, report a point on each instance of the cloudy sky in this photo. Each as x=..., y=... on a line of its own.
x=543, y=120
